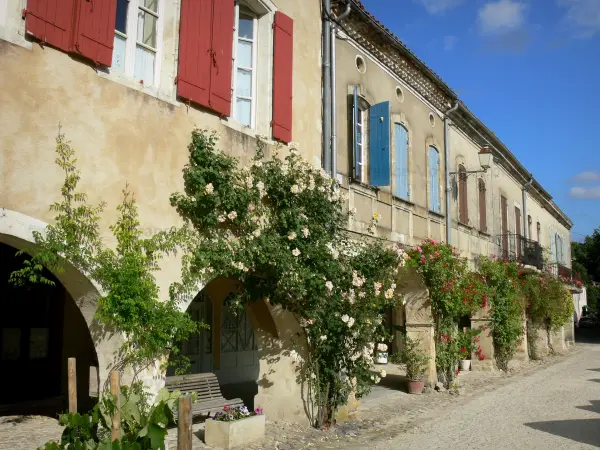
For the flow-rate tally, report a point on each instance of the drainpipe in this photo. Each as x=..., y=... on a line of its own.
x=333, y=89
x=326, y=86
x=447, y=174
x=525, y=220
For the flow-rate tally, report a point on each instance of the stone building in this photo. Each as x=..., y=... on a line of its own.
x=401, y=137
x=129, y=80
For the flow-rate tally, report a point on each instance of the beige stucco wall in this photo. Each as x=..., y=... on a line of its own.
x=410, y=221
x=469, y=238
x=125, y=132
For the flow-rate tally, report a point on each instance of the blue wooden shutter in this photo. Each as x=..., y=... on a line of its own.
x=356, y=163
x=379, y=144
x=401, y=142
x=434, y=160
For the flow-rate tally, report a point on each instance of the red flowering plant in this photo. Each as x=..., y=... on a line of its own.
x=468, y=341
x=454, y=292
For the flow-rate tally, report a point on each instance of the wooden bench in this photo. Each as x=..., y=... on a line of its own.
x=207, y=387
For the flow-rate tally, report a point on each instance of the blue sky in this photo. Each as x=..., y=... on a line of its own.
x=529, y=69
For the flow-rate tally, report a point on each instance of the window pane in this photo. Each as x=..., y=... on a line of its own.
x=152, y=5
x=246, y=27
x=144, y=65
x=146, y=29
x=11, y=344
x=243, y=111
x=118, y=59
x=121, y=22
x=38, y=343
x=244, y=83
x=244, y=54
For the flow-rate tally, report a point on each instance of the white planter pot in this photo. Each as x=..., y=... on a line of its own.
x=465, y=364
x=238, y=433
x=381, y=358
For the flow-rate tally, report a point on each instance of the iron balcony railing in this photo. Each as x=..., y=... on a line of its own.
x=514, y=247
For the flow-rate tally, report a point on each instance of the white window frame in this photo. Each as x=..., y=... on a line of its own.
x=253, y=70
x=131, y=41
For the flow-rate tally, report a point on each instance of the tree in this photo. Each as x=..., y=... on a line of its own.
x=131, y=303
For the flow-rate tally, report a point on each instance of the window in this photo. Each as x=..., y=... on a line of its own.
x=463, y=198
x=482, y=207
x=434, y=180
x=539, y=233
x=244, y=66
x=137, y=40
x=401, y=143
x=518, y=230
x=529, y=222
x=360, y=114
x=504, y=225
x=559, y=253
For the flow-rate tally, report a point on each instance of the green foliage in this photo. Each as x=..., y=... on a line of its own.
x=278, y=227
x=414, y=357
x=507, y=307
x=454, y=291
x=143, y=424
x=131, y=302
x=587, y=254
x=593, y=297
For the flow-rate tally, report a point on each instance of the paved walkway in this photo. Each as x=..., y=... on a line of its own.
x=557, y=407
x=550, y=405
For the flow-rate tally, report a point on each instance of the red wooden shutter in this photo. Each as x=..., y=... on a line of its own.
x=205, y=52
x=282, y=77
x=51, y=21
x=95, y=30
x=222, y=47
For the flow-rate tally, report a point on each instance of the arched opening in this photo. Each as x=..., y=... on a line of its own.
x=41, y=327
x=230, y=348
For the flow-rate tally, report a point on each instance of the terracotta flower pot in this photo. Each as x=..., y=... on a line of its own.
x=416, y=386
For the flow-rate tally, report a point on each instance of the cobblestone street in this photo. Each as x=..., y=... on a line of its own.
x=548, y=404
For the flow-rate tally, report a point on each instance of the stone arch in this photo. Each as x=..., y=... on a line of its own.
x=277, y=381
x=16, y=231
x=418, y=318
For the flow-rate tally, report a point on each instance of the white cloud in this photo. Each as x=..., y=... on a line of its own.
x=450, y=42
x=501, y=17
x=582, y=16
x=587, y=177
x=438, y=6
x=587, y=193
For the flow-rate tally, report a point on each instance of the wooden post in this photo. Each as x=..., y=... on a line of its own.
x=116, y=419
x=184, y=428
x=72, y=385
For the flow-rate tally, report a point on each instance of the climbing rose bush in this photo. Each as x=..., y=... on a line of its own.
x=278, y=227
x=507, y=307
x=454, y=291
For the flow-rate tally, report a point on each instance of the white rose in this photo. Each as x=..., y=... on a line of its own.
x=296, y=252
x=323, y=338
x=232, y=215
x=221, y=218
x=292, y=236
x=209, y=188
x=305, y=232
x=345, y=318
x=329, y=286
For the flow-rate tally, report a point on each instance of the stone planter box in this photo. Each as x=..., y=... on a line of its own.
x=238, y=433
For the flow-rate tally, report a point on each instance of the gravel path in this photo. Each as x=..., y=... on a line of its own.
x=556, y=407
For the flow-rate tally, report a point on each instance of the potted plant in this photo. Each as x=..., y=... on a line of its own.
x=416, y=362
x=382, y=354
x=467, y=340
x=234, y=427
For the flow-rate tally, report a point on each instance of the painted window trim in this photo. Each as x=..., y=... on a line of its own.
x=131, y=42
x=253, y=99
x=408, y=160
x=432, y=208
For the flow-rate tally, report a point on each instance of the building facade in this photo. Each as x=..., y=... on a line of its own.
x=128, y=81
